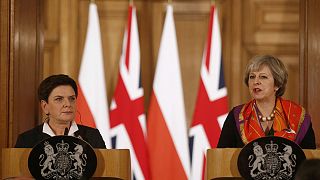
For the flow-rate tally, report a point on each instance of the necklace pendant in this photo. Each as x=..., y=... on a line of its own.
x=264, y=119
x=268, y=118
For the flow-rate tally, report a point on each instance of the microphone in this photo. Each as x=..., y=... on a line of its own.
x=66, y=131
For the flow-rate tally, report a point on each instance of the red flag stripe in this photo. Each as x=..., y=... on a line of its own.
x=84, y=112
x=92, y=79
x=211, y=105
x=209, y=38
x=127, y=113
x=164, y=160
x=129, y=37
x=127, y=118
x=206, y=113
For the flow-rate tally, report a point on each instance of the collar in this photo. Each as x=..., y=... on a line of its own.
x=47, y=129
x=287, y=121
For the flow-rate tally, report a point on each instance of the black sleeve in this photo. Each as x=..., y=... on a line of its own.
x=229, y=137
x=94, y=138
x=28, y=139
x=309, y=141
x=21, y=143
x=99, y=141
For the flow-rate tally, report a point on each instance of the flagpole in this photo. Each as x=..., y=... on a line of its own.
x=213, y=2
x=131, y=2
x=170, y=2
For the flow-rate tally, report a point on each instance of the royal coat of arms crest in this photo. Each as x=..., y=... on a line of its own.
x=62, y=158
x=270, y=158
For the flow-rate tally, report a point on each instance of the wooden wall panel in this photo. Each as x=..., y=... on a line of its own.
x=272, y=27
x=231, y=30
x=20, y=67
x=113, y=20
x=271, y=21
x=310, y=60
x=51, y=25
x=61, y=51
x=27, y=66
x=5, y=58
x=248, y=27
x=191, y=21
x=191, y=24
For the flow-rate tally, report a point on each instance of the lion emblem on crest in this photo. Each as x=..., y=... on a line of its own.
x=63, y=164
x=271, y=164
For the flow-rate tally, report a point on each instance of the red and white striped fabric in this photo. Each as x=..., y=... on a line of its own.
x=167, y=131
x=127, y=117
x=92, y=99
x=211, y=106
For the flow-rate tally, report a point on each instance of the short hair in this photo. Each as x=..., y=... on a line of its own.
x=51, y=82
x=308, y=170
x=277, y=68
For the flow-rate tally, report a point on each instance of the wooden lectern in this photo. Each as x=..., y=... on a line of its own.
x=222, y=162
x=111, y=163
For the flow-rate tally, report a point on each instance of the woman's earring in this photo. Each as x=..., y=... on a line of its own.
x=46, y=119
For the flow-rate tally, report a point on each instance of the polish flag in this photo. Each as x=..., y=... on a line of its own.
x=211, y=106
x=167, y=131
x=127, y=117
x=92, y=99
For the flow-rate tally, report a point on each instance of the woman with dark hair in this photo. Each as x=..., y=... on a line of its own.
x=267, y=114
x=58, y=95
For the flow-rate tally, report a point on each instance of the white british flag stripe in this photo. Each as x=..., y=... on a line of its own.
x=211, y=108
x=211, y=75
x=124, y=142
x=200, y=146
x=113, y=105
x=143, y=123
x=127, y=118
x=131, y=74
x=221, y=119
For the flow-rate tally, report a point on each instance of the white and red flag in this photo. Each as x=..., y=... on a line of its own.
x=167, y=131
x=92, y=99
x=127, y=116
x=211, y=106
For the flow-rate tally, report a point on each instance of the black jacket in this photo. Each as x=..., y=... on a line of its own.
x=34, y=136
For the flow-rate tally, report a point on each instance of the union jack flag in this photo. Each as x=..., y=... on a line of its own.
x=127, y=118
x=211, y=106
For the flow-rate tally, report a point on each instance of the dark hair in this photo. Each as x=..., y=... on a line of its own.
x=277, y=68
x=308, y=170
x=51, y=82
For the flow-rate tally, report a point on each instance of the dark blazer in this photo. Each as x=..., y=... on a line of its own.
x=34, y=136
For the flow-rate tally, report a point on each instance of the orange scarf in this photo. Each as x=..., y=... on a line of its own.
x=287, y=121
